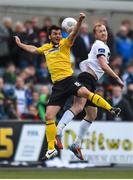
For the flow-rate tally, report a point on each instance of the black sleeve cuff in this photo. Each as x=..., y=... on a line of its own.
x=100, y=55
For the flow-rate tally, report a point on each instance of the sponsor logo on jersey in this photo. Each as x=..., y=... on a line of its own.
x=101, y=50
x=55, y=49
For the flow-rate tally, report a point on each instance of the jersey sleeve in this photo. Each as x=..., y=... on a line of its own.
x=67, y=42
x=100, y=49
x=41, y=49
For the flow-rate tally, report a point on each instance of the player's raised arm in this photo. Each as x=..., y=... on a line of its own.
x=108, y=70
x=76, y=28
x=28, y=48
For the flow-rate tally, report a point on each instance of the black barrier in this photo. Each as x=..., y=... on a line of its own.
x=10, y=135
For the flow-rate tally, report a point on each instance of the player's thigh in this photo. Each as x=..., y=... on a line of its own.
x=51, y=112
x=91, y=113
x=83, y=92
x=89, y=83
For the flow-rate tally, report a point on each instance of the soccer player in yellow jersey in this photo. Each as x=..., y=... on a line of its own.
x=57, y=54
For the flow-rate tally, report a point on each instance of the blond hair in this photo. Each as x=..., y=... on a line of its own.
x=98, y=24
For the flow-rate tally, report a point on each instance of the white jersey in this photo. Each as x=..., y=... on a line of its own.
x=98, y=48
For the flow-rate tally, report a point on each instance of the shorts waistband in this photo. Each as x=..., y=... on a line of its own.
x=62, y=80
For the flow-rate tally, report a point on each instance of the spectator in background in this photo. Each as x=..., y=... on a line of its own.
x=19, y=31
x=35, y=98
x=41, y=106
x=31, y=114
x=116, y=62
x=19, y=28
x=109, y=81
x=7, y=21
x=4, y=46
x=10, y=105
x=9, y=75
x=2, y=99
x=124, y=45
x=35, y=26
x=21, y=58
x=82, y=44
x=43, y=76
x=31, y=35
x=47, y=23
x=28, y=74
x=117, y=100
x=116, y=65
x=42, y=39
x=32, y=73
x=21, y=94
x=129, y=95
x=128, y=75
x=32, y=38
x=128, y=25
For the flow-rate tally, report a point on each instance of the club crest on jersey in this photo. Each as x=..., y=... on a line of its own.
x=101, y=50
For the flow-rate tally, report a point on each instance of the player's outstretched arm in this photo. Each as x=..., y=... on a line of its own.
x=76, y=28
x=28, y=48
x=108, y=70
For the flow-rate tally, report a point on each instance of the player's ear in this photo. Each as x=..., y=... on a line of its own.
x=49, y=37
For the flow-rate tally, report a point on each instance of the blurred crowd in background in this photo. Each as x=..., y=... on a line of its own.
x=25, y=83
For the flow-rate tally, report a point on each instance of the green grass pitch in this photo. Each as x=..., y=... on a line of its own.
x=54, y=173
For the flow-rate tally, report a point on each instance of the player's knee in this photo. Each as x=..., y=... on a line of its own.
x=76, y=109
x=79, y=109
x=91, y=116
x=83, y=92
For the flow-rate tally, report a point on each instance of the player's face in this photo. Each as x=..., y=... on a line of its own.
x=55, y=36
x=101, y=33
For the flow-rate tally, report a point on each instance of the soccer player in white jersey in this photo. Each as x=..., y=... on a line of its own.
x=92, y=70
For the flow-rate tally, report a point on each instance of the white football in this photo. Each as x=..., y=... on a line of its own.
x=68, y=24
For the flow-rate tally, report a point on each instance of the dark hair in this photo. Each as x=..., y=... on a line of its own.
x=53, y=27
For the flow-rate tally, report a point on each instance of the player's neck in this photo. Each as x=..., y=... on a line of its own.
x=105, y=42
x=54, y=44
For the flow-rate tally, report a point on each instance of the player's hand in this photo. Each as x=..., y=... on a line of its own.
x=17, y=40
x=81, y=16
x=120, y=82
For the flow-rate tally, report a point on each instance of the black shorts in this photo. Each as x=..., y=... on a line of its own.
x=62, y=90
x=89, y=82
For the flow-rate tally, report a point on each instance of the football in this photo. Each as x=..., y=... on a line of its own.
x=68, y=24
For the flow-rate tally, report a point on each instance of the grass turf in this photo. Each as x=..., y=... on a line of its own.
x=91, y=173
